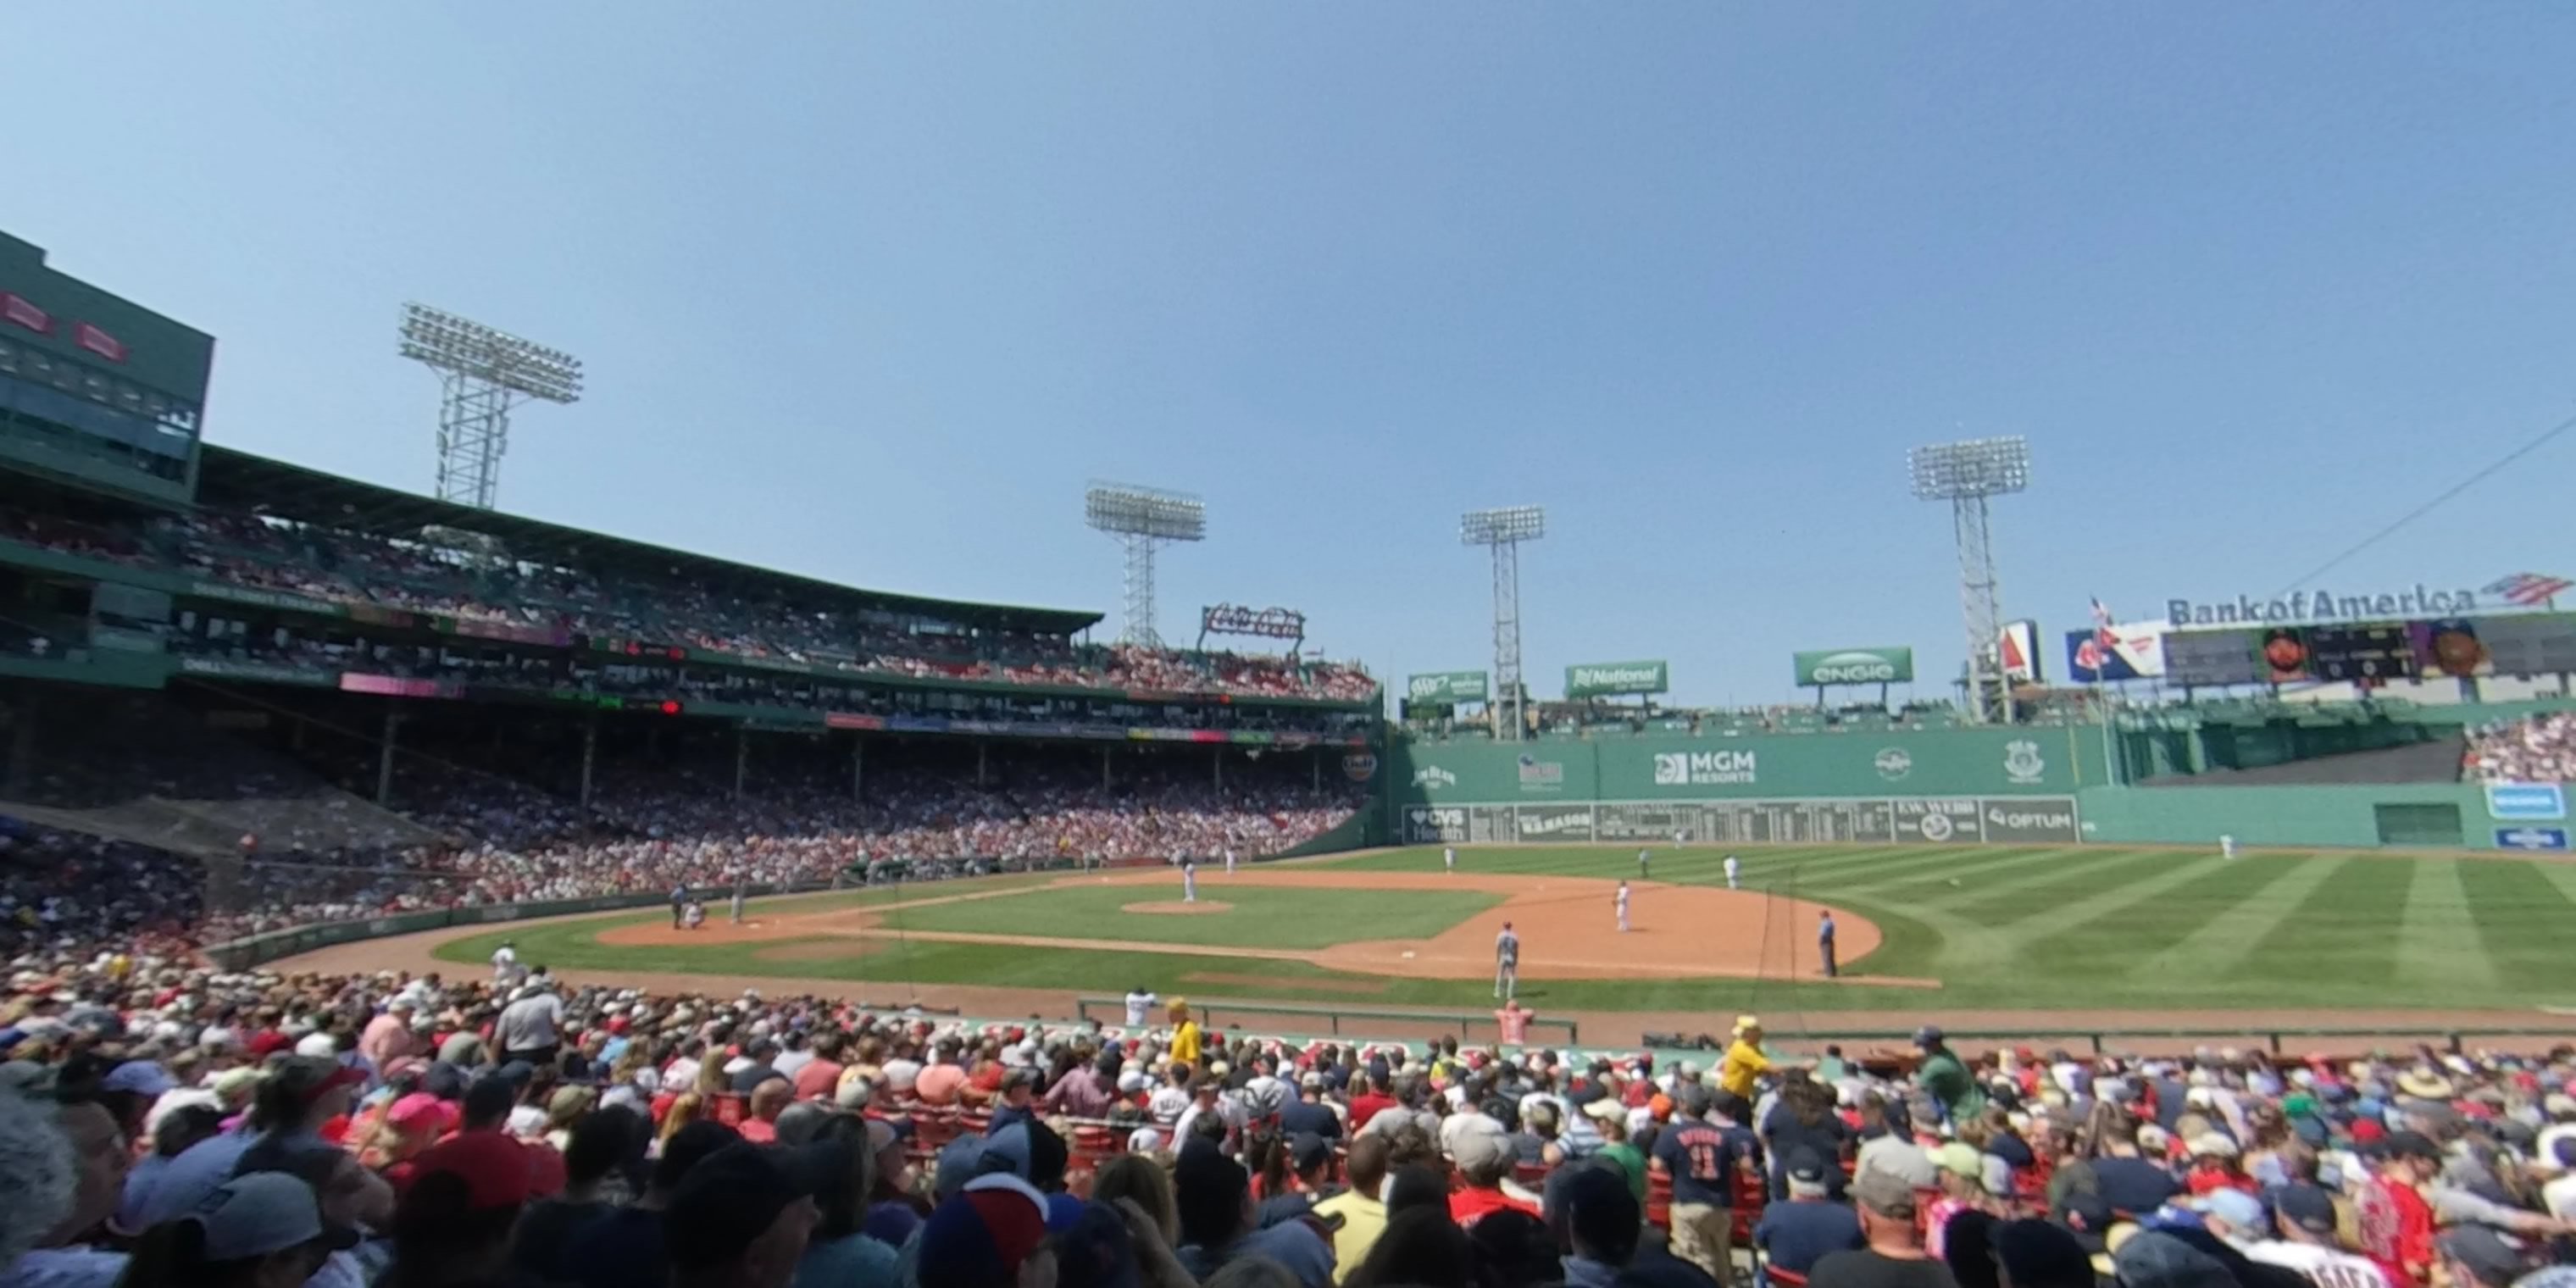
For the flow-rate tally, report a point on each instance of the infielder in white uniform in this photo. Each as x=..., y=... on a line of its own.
x=1189, y=882
x=1507, y=962
x=1229, y=861
x=1642, y=856
x=1623, y=907
x=1732, y=869
x=1449, y=859
x=2227, y=846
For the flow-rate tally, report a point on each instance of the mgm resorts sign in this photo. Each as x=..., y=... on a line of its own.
x=2321, y=605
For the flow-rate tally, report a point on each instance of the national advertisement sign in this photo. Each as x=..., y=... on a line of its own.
x=1445, y=688
x=1602, y=679
x=1854, y=666
x=2136, y=651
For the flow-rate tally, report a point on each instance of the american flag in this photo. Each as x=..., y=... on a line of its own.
x=2528, y=588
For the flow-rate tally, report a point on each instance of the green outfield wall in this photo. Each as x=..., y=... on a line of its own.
x=1947, y=786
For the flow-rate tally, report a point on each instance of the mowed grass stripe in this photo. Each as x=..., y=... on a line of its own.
x=2255, y=898
x=1892, y=865
x=2438, y=947
x=2340, y=938
x=2039, y=885
x=2519, y=914
x=1992, y=945
x=1961, y=890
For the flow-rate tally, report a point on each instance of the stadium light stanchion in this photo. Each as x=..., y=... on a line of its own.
x=482, y=373
x=1503, y=531
x=1967, y=474
x=1142, y=518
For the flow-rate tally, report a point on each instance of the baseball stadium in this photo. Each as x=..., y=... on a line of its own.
x=263, y=717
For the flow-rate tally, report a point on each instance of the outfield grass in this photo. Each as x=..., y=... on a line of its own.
x=2033, y=928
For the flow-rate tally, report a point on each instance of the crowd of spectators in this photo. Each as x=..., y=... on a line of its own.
x=166, y=1125
x=195, y=837
x=470, y=578
x=2538, y=749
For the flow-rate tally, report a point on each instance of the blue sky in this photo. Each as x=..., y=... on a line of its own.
x=868, y=292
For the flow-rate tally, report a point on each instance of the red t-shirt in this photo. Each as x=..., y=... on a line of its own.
x=818, y=1079
x=1468, y=1205
x=1368, y=1106
x=2396, y=1230
x=267, y=1042
x=758, y=1131
x=1515, y=1025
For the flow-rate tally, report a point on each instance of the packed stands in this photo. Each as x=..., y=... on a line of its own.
x=2537, y=749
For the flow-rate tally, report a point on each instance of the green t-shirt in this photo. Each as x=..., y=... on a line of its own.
x=1632, y=1161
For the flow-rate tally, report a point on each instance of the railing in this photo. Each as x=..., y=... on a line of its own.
x=2452, y=1038
x=1464, y=1021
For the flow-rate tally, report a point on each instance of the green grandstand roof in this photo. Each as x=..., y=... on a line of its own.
x=231, y=479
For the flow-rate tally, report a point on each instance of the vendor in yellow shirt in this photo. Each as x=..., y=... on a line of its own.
x=1185, y=1034
x=1744, y=1059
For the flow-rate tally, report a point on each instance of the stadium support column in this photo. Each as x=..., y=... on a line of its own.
x=983, y=764
x=858, y=768
x=385, y=754
x=1503, y=531
x=741, y=758
x=1104, y=767
x=589, y=753
x=1216, y=765
x=21, y=768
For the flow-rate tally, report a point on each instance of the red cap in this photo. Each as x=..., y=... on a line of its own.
x=2366, y=1130
x=498, y=1172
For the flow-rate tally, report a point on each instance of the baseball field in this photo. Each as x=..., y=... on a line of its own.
x=2092, y=929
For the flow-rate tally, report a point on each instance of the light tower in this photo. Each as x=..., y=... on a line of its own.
x=484, y=373
x=1143, y=518
x=1504, y=530
x=1965, y=474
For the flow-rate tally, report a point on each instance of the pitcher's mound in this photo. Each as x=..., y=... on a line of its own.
x=1176, y=906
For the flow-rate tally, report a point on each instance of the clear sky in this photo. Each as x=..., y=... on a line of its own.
x=868, y=292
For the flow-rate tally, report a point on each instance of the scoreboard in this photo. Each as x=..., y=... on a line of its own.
x=2374, y=652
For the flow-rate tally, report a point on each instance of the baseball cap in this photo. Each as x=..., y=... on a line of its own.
x=498, y=1172
x=734, y=1194
x=979, y=1237
x=2235, y=1207
x=2307, y=1207
x=1481, y=1145
x=1806, y=1168
x=1308, y=1150
x=1888, y=1196
x=1927, y=1035
x=141, y=1077
x=1605, y=1110
x=1960, y=1158
x=264, y=1212
x=2412, y=1144
x=1692, y=1097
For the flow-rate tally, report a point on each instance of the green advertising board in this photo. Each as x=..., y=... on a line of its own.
x=1601, y=679
x=1855, y=666
x=1446, y=688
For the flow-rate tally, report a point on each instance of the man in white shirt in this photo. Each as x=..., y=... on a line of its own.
x=528, y=1028
x=2306, y=1219
x=505, y=965
x=1140, y=1004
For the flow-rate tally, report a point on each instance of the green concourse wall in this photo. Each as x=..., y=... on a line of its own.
x=2436, y=815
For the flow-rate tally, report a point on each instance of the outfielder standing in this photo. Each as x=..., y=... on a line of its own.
x=1623, y=907
x=1449, y=859
x=1189, y=881
x=1642, y=856
x=1229, y=860
x=1732, y=869
x=1507, y=962
x=2227, y=846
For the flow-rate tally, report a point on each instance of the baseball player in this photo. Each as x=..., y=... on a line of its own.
x=1507, y=962
x=1825, y=943
x=1229, y=860
x=1623, y=907
x=1733, y=870
x=1679, y=836
x=2227, y=846
x=1449, y=859
x=1189, y=881
x=1642, y=857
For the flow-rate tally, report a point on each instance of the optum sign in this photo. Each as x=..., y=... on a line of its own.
x=1855, y=666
